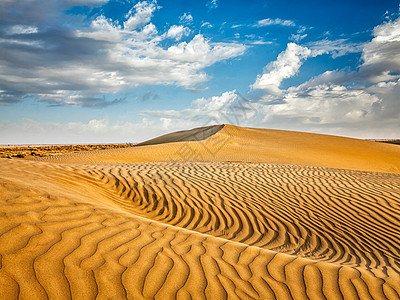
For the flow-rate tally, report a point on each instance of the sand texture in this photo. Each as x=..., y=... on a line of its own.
x=96, y=225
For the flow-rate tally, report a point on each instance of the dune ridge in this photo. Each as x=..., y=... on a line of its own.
x=192, y=135
x=237, y=144
x=197, y=230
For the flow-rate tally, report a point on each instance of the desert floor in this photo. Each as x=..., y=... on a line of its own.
x=215, y=212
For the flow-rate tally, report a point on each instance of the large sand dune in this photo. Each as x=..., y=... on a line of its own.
x=225, y=226
x=237, y=144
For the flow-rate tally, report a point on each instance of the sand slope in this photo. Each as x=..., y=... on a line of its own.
x=77, y=226
x=232, y=143
x=192, y=135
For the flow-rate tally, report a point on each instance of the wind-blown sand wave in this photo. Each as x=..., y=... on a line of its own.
x=81, y=228
x=197, y=229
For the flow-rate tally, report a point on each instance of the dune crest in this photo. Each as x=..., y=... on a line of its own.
x=238, y=144
x=193, y=135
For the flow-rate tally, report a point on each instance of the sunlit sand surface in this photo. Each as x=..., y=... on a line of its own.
x=217, y=212
x=232, y=143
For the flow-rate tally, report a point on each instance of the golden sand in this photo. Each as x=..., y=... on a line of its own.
x=237, y=144
x=265, y=215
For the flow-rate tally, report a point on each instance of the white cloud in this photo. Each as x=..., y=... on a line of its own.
x=323, y=108
x=216, y=103
x=22, y=29
x=261, y=42
x=389, y=93
x=140, y=14
x=297, y=37
x=206, y=24
x=335, y=77
x=285, y=66
x=140, y=51
x=202, y=110
x=325, y=104
x=301, y=29
x=227, y=108
x=381, y=56
x=177, y=32
x=324, y=100
x=143, y=61
x=102, y=29
x=255, y=40
x=75, y=66
x=336, y=48
x=201, y=51
x=186, y=18
x=277, y=21
x=212, y=4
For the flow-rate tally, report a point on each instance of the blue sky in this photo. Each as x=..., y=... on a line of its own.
x=96, y=71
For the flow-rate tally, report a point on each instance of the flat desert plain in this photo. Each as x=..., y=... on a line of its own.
x=215, y=212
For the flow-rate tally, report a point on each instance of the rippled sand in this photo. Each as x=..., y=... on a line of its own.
x=267, y=214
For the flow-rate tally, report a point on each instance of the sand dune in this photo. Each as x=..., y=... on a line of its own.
x=237, y=144
x=202, y=229
x=193, y=135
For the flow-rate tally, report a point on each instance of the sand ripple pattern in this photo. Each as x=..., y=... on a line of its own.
x=347, y=217
x=197, y=230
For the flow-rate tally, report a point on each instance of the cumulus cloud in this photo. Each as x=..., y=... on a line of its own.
x=177, y=32
x=381, y=56
x=325, y=104
x=186, y=18
x=140, y=14
x=335, y=77
x=202, y=52
x=285, y=66
x=331, y=102
x=372, y=112
x=201, y=107
x=277, y=21
x=229, y=107
x=68, y=66
x=389, y=93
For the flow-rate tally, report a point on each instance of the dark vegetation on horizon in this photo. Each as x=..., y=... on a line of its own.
x=32, y=151
x=396, y=142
